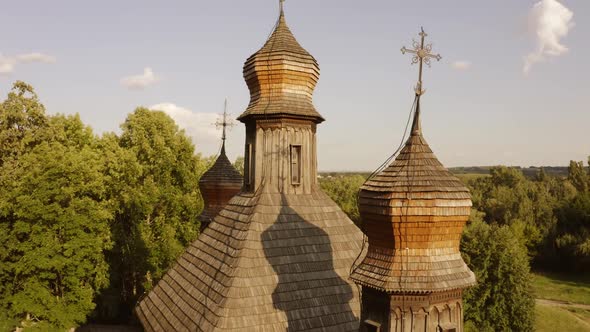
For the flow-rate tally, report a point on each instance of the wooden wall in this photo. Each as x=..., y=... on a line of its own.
x=271, y=165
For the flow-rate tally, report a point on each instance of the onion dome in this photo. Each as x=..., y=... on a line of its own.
x=218, y=185
x=281, y=78
x=413, y=214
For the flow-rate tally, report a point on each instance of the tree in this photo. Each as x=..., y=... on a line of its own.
x=572, y=239
x=239, y=164
x=153, y=177
x=344, y=191
x=578, y=176
x=502, y=299
x=53, y=221
x=21, y=118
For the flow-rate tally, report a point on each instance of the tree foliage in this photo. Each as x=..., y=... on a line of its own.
x=502, y=299
x=153, y=174
x=343, y=190
x=88, y=224
x=53, y=216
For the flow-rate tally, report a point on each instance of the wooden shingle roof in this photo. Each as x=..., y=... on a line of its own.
x=413, y=213
x=268, y=262
x=281, y=77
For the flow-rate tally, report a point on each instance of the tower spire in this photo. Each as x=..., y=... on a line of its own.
x=281, y=3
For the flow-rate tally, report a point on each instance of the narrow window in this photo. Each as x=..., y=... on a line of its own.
x=296, y=164
x=248, y=165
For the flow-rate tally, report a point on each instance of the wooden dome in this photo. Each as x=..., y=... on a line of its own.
x=413, y=214
x=281, y=77
x=218, y=185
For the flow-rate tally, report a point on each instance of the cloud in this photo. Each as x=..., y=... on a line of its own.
x=199, y=126
x=35, y=57
x=461, y=65
x=9, y=63
x=139, y=82
x=550, y=21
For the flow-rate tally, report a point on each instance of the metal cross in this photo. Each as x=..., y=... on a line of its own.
x=225, y=121
x=422, y=54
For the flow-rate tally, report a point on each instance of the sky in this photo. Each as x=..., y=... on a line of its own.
x=510, y=88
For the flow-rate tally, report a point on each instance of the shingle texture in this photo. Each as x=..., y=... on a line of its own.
x=268, y=262
x=281, y=77
x=413, y=213
x=218, y=185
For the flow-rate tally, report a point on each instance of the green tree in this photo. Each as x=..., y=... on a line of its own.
x=578, y=176
x=22, y=117
x=239, y=164
x=344, y=191
x=53, y=221
x=502, y=299
x=153, y=177
x=572, y=240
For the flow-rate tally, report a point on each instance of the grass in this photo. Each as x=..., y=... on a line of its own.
x=551, y=319
x=560, y=287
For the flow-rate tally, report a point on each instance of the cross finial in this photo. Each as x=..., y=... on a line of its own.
x=422, y=55
x=224, y=122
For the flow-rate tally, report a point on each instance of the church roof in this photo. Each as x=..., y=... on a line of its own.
x=222, y=172
x=268, y=262
x=413, y=213
x=417, y=173
x=281, y=77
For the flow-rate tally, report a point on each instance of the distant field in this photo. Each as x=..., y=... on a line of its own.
x=566, y=302
x=552, y=319
x=560, y=287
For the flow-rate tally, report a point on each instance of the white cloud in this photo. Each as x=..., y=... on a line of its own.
x=8, y=63
x=550, y=21
x=35, y=57
x=461, y=65
x=199, y=126
x=140, y=81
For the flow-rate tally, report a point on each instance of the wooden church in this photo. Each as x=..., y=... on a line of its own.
x=277, y=257
x=282, y=256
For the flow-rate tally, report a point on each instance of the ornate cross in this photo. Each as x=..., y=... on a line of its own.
x=225, y=121
x=422, y=54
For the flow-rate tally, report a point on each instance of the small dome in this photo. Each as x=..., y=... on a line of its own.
x=281, y=77
x=413, y=213
x=218, y=185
